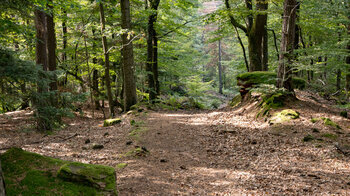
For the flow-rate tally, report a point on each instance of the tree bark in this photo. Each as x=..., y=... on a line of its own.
x=106, y=55
x=152, y=52
x=51, y=46
x=284, y=75
x=256, y=32
x=128, y=58
x=41, y=59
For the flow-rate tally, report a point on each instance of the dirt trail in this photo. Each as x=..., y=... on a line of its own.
x=222, y=152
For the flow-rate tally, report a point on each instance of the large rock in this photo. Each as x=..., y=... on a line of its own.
x=98, y=176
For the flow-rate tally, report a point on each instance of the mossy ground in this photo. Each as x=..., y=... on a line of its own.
x=32, y=174
x=93, y=175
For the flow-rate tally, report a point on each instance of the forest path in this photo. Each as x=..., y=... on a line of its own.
x=226, y=153
x=219, y=152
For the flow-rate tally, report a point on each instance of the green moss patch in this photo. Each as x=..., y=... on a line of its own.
x=28, y=173
x=236, y=100
x=329, y=122
x=284, y=116
x=315, y=120
x=98, y=176
x=110, y=122
x=137, y=152
x=270, y=101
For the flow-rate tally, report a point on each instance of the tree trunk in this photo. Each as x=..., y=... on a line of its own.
x=41, y=59
x=284, y=75
x=128, y=58
x=51, y=47
x=106, y=54
x=256, y=37
x=220, y=69
x=152, y=52
x=256, y=32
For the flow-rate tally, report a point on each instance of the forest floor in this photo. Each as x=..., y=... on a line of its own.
x=218, y=152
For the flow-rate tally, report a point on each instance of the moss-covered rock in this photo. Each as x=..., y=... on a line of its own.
x=98, y=176
x=251, y=79
x=236, y=100
x=110, y=122
x=284, y=116
x=271, y=101
x=329, y=122
x=28, y=173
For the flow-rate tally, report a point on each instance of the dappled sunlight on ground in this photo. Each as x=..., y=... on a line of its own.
x=223, y=152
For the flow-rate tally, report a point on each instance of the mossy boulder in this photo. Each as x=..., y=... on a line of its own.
x=110, y=122
x=236, y=100
x=284, y=116
x=249, y=80
x=271, y=101
x=98, y=176
x=29, y=173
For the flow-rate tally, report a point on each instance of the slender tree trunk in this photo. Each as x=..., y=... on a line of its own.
x=338, y=85
x=284, y=75
x=106, y=54
x=243, y=48
x=220, y=69
x=155, y=63
x=64, y=44
x=128, y=58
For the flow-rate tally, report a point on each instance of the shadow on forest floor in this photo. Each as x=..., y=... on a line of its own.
x=208, y=152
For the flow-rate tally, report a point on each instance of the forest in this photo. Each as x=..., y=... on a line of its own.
x=174, y=97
